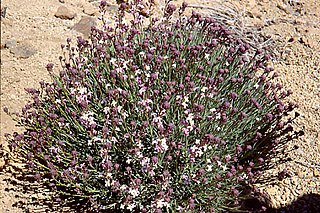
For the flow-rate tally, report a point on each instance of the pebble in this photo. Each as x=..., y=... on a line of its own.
x=10, y=44
x=2, y=163
x=84, y=25
x=254, y=13
x=64, y=13
x=90, y=10
x=3, y=12
x=23, y=51
x=7, y=22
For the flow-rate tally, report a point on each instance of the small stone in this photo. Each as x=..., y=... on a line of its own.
x=301, y=174
x=7, y=22
x=254, y=13
x=90, y=10
x=64, y=13
x=316, y=172
x=17, y=166
x=10, y=44
x=2, y=163
x=23, y=51
x=3, y=12
x=300, y=21
x=84, y=25
x=283, y=8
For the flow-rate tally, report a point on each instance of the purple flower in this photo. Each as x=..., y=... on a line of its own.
x=49, y=67
x=74, y=153
x=48, y=131
x=37, y=176
x=154, y=159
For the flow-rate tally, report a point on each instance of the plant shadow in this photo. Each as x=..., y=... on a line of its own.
x=308, y=203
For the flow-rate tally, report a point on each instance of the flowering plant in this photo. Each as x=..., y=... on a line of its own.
x=169, y=118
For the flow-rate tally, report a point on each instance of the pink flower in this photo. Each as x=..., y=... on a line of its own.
x=185, y=131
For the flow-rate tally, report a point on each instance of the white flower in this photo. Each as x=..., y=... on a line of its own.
x=194, y=149
x=209, y=168
x=94, y=139
x=82, y=90
x=72, y=91
x=139, y=154
x=210, y=95
x=204, y=89
x=131, y=206
x=113, y=61
x=134, y=192
x=161, y=203
x=119, y=109
x=128, y=160
x=142, y=90
x=199, y=153
x=88, y=117
x=125, y=66
x=123, y=187
x=145, y=161
x=206, y=56
x=107, y=183
x=125, y=115
x=218, y=116
x=213, y=110
x=142, y=54
x=137, y=72
x=164, y=144
x=197, y=141
x=190, y=119
x=114, y=139
x=184, y=104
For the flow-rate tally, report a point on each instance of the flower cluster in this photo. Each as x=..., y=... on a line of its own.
x=165, y=119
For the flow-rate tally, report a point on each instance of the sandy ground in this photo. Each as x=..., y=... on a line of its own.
x=293, y=26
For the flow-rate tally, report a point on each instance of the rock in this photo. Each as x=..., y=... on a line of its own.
x=64, y=13
x=284, y=8
x=84, y=25
x=7, y=22
x=90, y=10
x=3, y=12
x=10, y=44
x=251, y=4
x=61, y=1
x=23, y=51
x=316, y=172
x=254, y=13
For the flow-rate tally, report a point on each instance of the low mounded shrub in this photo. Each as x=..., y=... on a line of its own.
x=176, y=117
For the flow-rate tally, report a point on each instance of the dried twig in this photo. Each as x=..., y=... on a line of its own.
x=233, y=17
